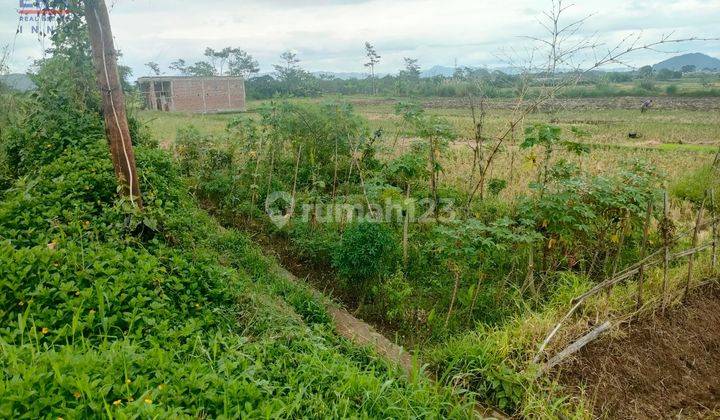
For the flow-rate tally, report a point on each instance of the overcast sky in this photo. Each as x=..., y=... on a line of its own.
x=329, y=34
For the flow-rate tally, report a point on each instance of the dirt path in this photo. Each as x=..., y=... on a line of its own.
x=365, y=335
x=359, y=332
x=664, y=366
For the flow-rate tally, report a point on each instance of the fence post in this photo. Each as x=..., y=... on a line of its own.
x=641, y=272
x=666, y=246
x=691, y=258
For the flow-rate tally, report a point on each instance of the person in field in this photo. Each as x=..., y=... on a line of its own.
x=646, y=105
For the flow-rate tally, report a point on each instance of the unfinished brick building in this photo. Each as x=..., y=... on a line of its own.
x=194, y=94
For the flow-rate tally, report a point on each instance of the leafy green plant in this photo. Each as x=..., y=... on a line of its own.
x=366, y=253
x=549, y=137
x=495, y=186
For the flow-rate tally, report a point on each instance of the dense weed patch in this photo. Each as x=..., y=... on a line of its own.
x=98, y=321
x=480, y=290
x=111, y=312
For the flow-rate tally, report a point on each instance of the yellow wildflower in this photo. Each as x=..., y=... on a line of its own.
x=148, y=401
x=45, y=330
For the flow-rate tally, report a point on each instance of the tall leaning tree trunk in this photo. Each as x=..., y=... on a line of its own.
x=113, y=99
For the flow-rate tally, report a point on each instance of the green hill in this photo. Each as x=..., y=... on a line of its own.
x=699, y=60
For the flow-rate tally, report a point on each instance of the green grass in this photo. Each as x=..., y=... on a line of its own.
x=111, y=313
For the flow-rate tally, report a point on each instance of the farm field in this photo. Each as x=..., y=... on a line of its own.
x=489, y=307
x=538, y=239
x=678, y=135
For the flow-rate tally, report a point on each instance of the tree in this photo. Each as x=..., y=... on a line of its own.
x=125, y=72
x=411, y=73
x=688, y=68
x=211, y=54
x=179, y=66
x=412, y=68
x=646, y=71
x=373, y=60
x=667, y=74
x=289, y=66
x=201, y=69
x=243, y=64
x=289, y=71
x=154, y=67
x=219, y=58
x=113, y=100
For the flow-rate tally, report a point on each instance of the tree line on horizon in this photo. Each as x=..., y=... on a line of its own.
x=290, y=79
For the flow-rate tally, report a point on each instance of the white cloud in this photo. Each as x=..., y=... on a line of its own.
x=329, y=34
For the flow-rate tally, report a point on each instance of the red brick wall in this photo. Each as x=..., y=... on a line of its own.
x=219, y=95
x=199, y=94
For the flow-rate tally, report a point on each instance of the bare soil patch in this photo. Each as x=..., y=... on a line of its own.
x=663, y=366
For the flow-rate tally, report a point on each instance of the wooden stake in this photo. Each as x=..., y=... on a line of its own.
x=406, y=225
x=476, y=292
x=295, y=176
x=574, y=347
x=666, y=247
x=713, y=212
x=530, y=277
x=691, y=258
x=456, y=272
x=641, y=273
x=113, y=100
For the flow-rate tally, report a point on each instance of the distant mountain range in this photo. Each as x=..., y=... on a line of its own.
x=19, y=82
x=700, y=61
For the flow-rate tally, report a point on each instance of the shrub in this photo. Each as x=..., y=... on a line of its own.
x=367, y=252
x=647, y=85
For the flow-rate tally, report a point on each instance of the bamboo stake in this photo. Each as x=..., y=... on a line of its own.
x=643, y=251
x=691, y=258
